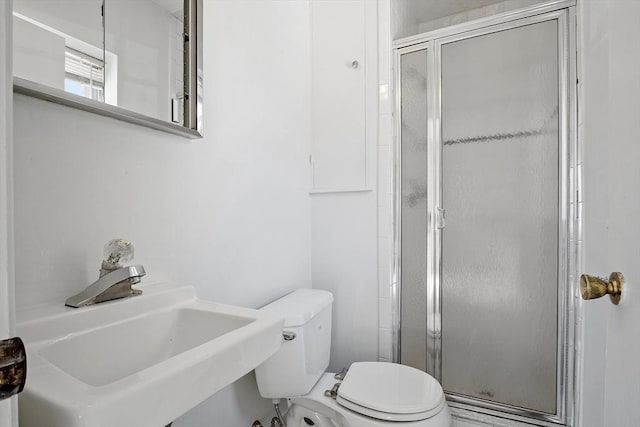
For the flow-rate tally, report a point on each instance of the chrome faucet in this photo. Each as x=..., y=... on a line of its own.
x=115, y=280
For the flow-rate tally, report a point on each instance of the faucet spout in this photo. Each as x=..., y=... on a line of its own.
x=112, y=285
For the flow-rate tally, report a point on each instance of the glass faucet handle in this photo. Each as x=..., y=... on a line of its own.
x=117, y=252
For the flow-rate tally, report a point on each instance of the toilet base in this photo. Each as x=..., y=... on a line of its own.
x=299, y=416
x=317, y=410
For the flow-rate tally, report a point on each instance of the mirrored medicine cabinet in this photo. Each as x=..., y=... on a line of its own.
x=134, y=60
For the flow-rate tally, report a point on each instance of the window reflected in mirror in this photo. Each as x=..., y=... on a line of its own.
x=83, y=75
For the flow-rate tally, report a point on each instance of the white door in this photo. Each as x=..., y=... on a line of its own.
x=612, y=209
x=8, y=406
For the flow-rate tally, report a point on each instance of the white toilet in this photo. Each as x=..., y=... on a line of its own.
x=371, y=393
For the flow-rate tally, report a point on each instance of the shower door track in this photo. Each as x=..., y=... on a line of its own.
x=569, y=231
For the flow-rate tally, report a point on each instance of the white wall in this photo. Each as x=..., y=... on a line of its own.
x=610, y=93
x=79, y=19
x=229, y=213
x=345, y=262
x=386, y=311
x=38, y=54
x=140, y=33
x=344, y=203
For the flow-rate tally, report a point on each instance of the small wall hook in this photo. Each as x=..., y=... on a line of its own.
x=592, y=287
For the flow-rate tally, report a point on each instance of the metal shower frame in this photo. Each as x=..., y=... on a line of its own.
x=569, y=219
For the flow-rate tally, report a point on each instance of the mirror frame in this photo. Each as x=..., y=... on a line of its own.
x=193, y=127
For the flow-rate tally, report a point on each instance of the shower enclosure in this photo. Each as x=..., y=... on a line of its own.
x=486, y=213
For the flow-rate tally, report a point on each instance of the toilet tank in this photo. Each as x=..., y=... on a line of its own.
x=304, y=354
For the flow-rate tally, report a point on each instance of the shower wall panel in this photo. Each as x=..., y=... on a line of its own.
x=414, y=209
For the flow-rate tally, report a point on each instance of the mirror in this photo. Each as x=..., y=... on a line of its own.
x=134, y=60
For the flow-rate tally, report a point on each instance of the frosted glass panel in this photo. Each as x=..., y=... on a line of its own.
x=500, y=192
x=413, y=327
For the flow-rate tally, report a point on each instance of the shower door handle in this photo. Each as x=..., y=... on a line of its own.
x=13, y=367
x=440, y=222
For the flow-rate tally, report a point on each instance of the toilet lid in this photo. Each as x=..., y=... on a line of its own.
x=390, y=391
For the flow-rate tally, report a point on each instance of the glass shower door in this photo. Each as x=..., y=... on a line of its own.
x=500, y=192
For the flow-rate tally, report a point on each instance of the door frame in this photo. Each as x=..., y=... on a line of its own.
x=569, y=236
x=8, y=408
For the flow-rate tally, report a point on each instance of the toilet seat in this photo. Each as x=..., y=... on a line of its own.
x=390, y=392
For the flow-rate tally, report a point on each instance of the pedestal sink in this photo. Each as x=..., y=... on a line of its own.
x=140, y=361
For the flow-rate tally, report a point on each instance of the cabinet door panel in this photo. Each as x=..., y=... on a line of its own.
x=338, y=147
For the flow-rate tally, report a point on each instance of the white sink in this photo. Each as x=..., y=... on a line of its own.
x=140, y=361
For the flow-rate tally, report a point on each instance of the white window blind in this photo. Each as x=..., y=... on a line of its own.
x=84, y=75
x=84, y=67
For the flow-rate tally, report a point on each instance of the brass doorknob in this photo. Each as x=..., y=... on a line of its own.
x=592, y=287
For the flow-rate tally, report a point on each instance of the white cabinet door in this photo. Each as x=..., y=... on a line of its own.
x=344, y=70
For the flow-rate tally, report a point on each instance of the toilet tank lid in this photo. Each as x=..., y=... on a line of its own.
x=300, y=306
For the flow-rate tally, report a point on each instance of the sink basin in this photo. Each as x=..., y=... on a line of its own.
x=92, y=357
x=141, y=361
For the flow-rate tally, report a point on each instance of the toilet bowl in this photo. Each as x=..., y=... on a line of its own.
x=372, y=394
